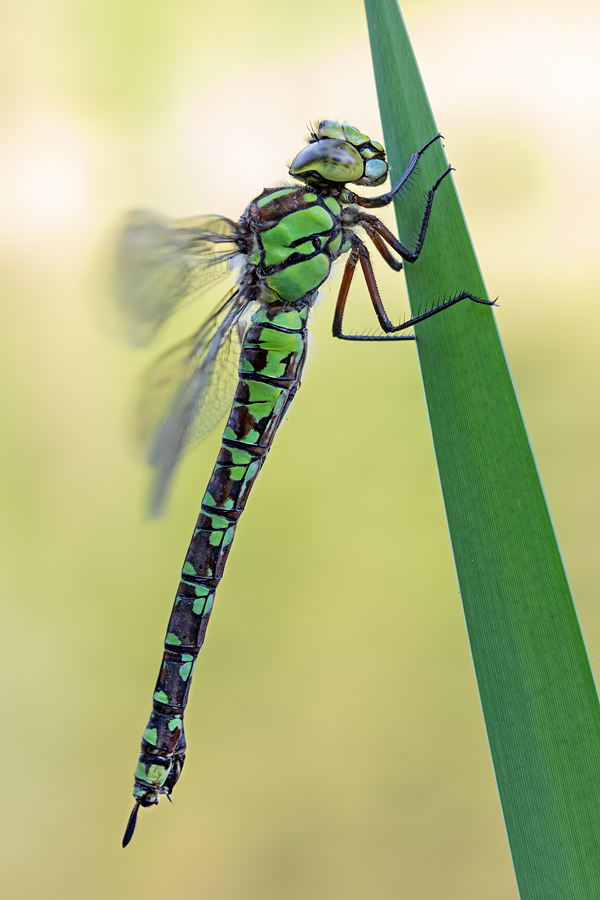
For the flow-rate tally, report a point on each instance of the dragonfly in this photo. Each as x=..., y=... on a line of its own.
x=248, y=356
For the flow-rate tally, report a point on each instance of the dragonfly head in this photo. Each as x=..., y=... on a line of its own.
x=338, y=153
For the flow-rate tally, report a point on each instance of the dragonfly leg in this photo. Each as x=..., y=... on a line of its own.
x=385, y=199
x=446, y=304
x=377, y=235
x=360, y=253
x=375, y=227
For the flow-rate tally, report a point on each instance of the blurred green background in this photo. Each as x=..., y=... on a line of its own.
x=336, y=747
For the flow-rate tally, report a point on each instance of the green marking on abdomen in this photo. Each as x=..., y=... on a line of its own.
x=172, y=639
x=217, y=522
x=209, y=500
x=257, y=410
x=185, y=669
x=202, y=605
x=239, y=458
x=280, y=341
x=251, y=438
x=290, y=318
x=151, y=736
x=153, y=774
x=228, y=536
x=251, y=473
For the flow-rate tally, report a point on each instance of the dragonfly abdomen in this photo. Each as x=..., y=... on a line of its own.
x=271, y=361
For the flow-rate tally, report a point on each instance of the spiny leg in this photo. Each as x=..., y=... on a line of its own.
x=375, y=226
x=376, y=236
x=360, y=253
x=340, y=306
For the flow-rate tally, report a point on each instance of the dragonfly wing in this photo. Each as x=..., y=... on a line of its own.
x=161, y=265
x=189, y=389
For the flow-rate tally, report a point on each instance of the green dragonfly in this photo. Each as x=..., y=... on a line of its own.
x=248, y=355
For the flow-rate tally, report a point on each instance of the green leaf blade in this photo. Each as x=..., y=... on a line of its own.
x=537, y=691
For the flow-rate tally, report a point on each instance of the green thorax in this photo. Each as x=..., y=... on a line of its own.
x=296, y=235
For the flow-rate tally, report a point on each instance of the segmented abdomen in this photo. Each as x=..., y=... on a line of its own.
x=270, y=367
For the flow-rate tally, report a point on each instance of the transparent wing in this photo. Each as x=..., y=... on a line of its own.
x=189, y=389
x=161, y=265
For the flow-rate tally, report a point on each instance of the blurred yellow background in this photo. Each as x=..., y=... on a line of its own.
x=336, y=747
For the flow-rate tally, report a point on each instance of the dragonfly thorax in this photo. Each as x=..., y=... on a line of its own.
x=295, y=234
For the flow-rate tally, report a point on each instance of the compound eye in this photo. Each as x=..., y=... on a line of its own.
x=376, y=171
x=333, y=160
